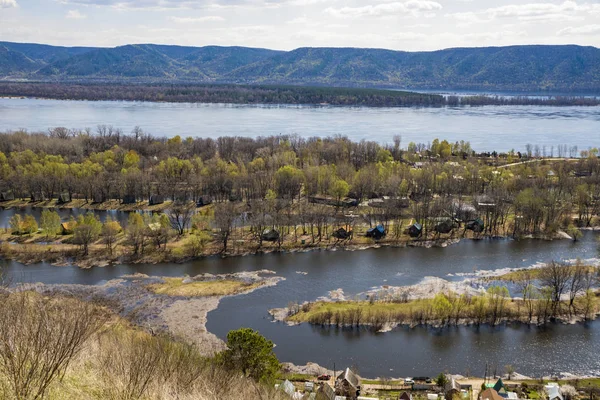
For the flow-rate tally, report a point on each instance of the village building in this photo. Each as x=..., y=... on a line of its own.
x=376, y=233
x=347, y=384
x=156, y=199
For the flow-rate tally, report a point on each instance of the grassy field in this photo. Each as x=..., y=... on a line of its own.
x=225, y=287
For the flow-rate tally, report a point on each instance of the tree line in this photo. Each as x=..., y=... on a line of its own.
x=265, y=94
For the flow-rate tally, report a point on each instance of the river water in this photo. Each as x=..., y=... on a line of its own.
x=403, y=351
x=488, y=128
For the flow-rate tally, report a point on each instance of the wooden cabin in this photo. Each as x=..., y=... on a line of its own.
x=156, y=199
x=342, y=233
x=68, y=227
x=7, y=195
x=270, y=235
x=64, y=198
x=415, y=230
x=129, y=199
x=444, y=226
x=347, y=385
x=203, y=201
x=475, y=225
x=376, y=233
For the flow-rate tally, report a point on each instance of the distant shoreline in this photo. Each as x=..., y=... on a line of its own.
x=276, y=95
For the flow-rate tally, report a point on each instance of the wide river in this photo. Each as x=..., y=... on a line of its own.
x=401, y=352
x=487, y=128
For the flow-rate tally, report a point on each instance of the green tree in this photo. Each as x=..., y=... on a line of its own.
x=29, y=225
x=87, y=231
x=15, y=224
x=441, y=380
x=50, y=223
x=340, y=189
x=136, y=232
x=250, y=352
x=110, y=231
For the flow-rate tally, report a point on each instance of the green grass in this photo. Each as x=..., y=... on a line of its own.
x=225, y=287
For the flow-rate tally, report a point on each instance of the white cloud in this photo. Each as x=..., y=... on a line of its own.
x=410, y=7
x=193, y=20
x=8, y=3
x=566, y=11
x=580, y=30
x=75, y=14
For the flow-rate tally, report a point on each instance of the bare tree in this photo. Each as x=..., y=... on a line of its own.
x=39, y=338
x=576, y=284
x=180, y=215
x=225, y=215
x=555, y=275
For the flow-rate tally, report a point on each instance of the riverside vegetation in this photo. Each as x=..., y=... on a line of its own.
x=556, y=291
x=57, y=347
x=278, y=193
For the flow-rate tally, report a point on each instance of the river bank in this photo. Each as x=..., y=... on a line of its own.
x=136, y=298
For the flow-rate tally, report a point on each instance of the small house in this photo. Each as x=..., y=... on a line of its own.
x=347, y=384
x=475, y=225
x=64, y=198
x=156, y=199
x=415, y=230
x=287, y=387
x=552, y=390
x=129, y=199
x=451, y=388
x=7, y=195
x=444, y=226
x=309, y=386
x=376, y=233
x=406, y=396
x=37, y=196
x=270, y=235
x=68, y=227
x=342, y=234
x=325, y=392
x=203, y=201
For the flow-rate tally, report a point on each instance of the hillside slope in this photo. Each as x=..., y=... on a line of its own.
x=533, y=67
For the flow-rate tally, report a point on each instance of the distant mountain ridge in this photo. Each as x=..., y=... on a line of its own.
x=532, y=67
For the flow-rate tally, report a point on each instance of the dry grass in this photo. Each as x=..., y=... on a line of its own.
x=222, y=287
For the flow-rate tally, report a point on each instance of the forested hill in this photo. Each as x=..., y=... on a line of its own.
x=565, y=68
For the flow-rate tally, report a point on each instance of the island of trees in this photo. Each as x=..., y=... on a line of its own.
x=270, y=94
x=236, y=195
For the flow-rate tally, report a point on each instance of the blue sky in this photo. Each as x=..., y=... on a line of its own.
x=288, y=24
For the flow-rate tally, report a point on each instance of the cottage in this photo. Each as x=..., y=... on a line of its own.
x=287, y=387
x=444, y=225
x=376, y=233
x=129, y=199
x=68, y=227
x=270, y=235
x=451, y=388
x=347, y=384
x=342, y=233
x=415, y=230
x=7, y=195
x=203, y=201
x=475, y=225
x=309, y=386
x=156, y=199
x=325, y=392
x=405, y=396
x=552, y=390
x=64, y=198
x=37, y=196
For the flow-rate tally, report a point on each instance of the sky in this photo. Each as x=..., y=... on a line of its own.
x=287, y=24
